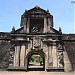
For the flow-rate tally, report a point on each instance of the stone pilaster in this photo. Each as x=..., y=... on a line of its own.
x=54, y=55
x=16, y=56
x=28, y=23
x=49, y=25
x=25, y=23
x=41, y=44
x=45, y=25
x=49, y=56
x=22, y=56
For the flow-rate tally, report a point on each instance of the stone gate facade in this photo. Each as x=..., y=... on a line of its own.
x=36, y=35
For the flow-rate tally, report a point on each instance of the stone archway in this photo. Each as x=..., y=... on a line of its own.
x=36, y=61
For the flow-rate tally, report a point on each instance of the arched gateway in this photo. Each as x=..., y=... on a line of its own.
x=36, y=44
x=36, y=60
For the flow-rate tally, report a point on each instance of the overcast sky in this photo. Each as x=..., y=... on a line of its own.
x=62, y=11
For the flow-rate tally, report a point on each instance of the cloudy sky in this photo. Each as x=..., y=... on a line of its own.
x=62, y=11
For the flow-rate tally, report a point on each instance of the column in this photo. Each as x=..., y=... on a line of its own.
x=28, y=24
x=50, y=56
x=16, y=56
x=41, y=44
x=54, y=55
x=32, y=44
x=45, y=25
x=25, y=23
x=49, y=25
x=22, y=56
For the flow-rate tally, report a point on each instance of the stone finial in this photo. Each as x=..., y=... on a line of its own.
x=13, y=29
x=47, y=10
x=26, y=10
x=37, y=6
x=60, y=31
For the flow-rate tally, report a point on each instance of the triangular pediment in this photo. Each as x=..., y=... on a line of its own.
x=20, y=30
x=36, y=10
x=54, y=31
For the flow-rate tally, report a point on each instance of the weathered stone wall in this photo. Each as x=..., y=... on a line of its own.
x=4, y=54
x=70, y=49
x=69, y=44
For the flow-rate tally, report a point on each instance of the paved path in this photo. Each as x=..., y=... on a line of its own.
x=35, y=73
x=35, y=66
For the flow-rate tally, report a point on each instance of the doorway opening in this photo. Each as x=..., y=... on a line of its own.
x=36, y=62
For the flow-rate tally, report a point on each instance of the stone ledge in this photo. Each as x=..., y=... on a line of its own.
x=55, y=69
x=16, y=68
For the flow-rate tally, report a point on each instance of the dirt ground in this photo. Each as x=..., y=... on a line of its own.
x=35, y=73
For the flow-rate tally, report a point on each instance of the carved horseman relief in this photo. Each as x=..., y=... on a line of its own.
x=36, y=25
x=36, y=28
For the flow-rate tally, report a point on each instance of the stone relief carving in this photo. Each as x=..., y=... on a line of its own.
x=11, y=58
x=60, y=59
x=60, y=47
x=36, y=41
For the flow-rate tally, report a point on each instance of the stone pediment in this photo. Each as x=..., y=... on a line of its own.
x=52, y=30
x=36, y=10
x=20, y=30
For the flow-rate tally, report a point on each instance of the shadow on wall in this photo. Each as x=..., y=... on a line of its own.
x=70, y=49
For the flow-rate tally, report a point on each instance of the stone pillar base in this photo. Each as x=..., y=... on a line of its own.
x=52, y=69
x=16, y=68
